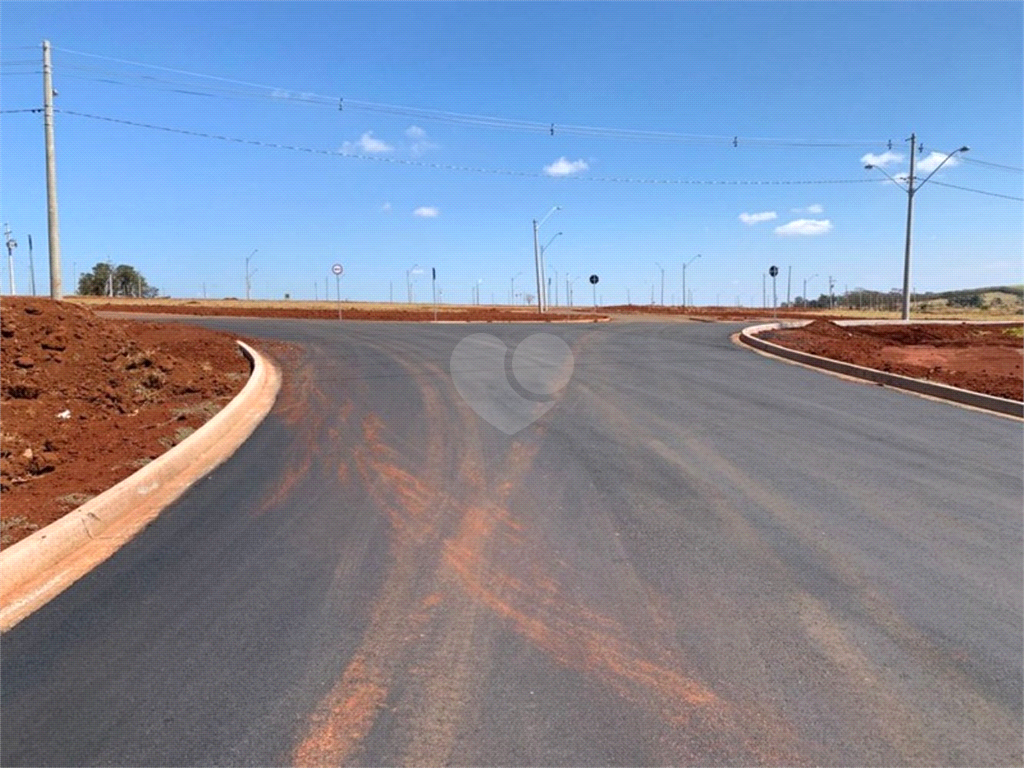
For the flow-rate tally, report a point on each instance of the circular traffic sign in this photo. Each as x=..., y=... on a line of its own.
x=594, y=279
x=336, y=269
x=773, y=270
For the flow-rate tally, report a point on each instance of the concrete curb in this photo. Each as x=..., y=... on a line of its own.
x=1000, y=405
x=38, y=568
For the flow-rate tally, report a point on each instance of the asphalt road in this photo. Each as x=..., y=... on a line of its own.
x=696, y=556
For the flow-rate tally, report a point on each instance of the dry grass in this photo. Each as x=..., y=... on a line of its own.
x=935, y=311
x=289, y=304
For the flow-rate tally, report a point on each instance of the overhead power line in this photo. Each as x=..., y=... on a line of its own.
x=488, y=121
x=452, y=167
x=977, y=191
x=991, y=165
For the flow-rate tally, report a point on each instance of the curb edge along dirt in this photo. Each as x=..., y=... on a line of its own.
x=38, y=568
x=999, y=405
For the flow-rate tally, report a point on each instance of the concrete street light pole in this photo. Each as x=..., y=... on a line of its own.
x=408, y=281
x=806, y=280
x=685, y=265
x=538, y=258
x=911, y=190
x=248, y=274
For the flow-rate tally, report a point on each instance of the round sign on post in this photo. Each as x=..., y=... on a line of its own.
x=594, y=279
x=773, y=270
x=337, y=270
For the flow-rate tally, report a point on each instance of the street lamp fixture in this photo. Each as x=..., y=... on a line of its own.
x=911, y=189
x=538, y=258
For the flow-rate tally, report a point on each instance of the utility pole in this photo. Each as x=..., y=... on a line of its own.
x=662, y=283
x=685, y=265
x=540, y=276
x=53, y=227
x=11, y=245
x=831, y=293
x=31, y=266
x=764, y=290
x=789, y=285
x=910, y=219
x=249, y=275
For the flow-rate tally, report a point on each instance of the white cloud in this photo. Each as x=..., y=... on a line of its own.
x=754, y=218
x=367, y=144
x=881, y=160
x=563, y=167
x=805, y=227
x=386, y=207
x=816, y=208
x=420, y=143
x=427, y=212
x=933, y=161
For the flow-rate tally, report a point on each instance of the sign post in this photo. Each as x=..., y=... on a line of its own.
x=593, y=284
x=774, y=271
x=337, y=270
x=433, y=285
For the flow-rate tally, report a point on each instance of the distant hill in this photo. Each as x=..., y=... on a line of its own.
x=1006, y=298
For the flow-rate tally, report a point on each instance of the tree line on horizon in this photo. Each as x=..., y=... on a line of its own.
x=122, y=280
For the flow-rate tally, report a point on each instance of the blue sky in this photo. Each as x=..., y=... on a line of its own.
x=387, y=190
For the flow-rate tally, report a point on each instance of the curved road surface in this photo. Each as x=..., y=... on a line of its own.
x=697, y=556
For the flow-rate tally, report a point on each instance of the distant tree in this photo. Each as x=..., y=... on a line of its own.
x=123, y=280
x=966, y=300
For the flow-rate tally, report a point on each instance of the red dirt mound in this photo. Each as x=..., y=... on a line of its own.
x=86, y=401
x=982, y=358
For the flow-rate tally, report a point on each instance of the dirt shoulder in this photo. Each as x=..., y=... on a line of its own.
x=981, y=358
x=86, y=401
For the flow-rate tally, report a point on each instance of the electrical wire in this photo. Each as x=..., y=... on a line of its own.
x=1001, y=166
x=452, y=167
x=977, y=191
x=490, y=121
x=16, y=111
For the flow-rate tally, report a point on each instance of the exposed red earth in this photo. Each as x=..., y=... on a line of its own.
x=981, y=358
x=299, y=312
x=86, y=401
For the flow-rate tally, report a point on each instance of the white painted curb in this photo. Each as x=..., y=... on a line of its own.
x=38, y=568
x=1002, y=405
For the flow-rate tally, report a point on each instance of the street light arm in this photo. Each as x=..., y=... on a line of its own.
x=902, y=186
x=962, y=149
x=693, y=260
x=556, y=208
x=545, y=247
